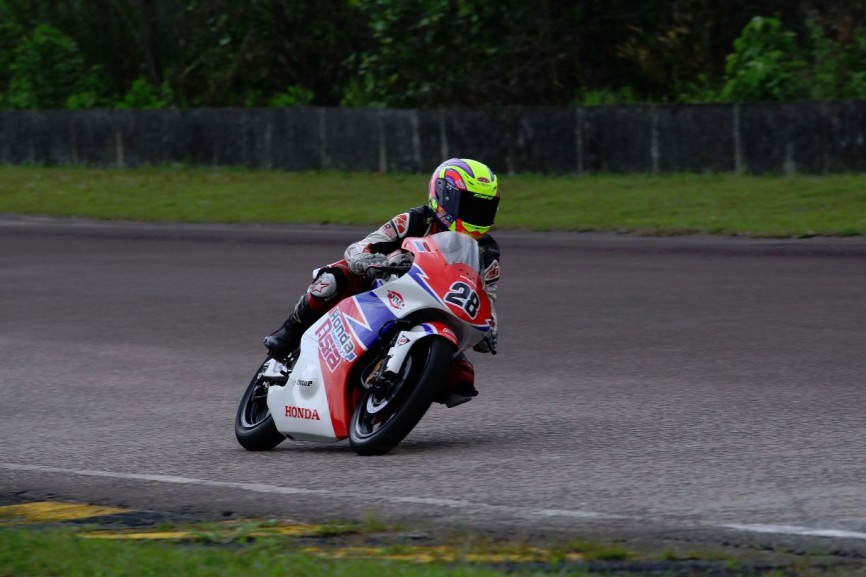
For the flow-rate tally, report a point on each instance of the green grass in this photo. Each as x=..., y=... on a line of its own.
x=255, y=548
x=767, y=206
x=50, y=552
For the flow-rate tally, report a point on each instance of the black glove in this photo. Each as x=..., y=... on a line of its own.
x=488, y=345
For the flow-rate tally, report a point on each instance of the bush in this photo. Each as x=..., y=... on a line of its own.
x=293, y=96
x=606, y=97
x=143, y=95
x=47, y=70
x=765, y=64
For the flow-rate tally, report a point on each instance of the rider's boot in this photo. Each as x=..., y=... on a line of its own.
x=283, y=341
x=459, y=385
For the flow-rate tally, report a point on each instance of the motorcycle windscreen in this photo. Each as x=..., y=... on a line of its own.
x=458, y=248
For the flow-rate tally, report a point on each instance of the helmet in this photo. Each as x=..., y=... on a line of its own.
x=464, y=196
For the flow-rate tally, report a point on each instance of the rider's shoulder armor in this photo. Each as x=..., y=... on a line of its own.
x=387, y=238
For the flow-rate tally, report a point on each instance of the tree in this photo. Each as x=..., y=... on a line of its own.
x=425, y=53
x=766, y=63
x=47, y=70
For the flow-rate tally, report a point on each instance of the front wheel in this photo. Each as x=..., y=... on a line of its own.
x=383, y=419
x=254, y=425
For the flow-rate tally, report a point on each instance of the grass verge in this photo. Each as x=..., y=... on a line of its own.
x=37, y=552
x=767, y=206
x=261, y=550
x=51, y=537
x=62, y=538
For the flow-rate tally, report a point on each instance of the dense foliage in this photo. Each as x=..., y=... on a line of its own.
x=425, y=53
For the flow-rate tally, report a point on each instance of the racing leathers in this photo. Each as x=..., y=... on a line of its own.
x=347, y=277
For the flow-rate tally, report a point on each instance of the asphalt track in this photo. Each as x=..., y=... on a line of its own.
x=695, y=389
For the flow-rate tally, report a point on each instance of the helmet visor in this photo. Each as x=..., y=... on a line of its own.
x=477, y=209
x=473, y=209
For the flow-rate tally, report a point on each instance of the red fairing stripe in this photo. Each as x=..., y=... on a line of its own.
x=443, y=330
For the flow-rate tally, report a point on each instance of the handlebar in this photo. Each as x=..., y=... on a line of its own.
x=377, y=270
x=395, y=268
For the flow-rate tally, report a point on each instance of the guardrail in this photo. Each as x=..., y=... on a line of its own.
x=786, y=138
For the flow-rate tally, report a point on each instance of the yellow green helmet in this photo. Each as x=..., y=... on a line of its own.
x=464, y=196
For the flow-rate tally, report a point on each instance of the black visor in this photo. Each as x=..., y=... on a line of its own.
x=473, y=209
x=477, y=209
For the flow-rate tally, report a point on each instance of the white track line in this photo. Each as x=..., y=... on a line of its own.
x=280, y=490
x=445, y=503
x=796, y=530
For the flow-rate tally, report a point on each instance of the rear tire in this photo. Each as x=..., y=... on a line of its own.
x=379, y=424
x=254, y=425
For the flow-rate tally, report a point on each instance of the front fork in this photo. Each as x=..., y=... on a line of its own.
x=384, y=373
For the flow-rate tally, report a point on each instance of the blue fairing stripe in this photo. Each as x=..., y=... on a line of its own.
x=377, y=314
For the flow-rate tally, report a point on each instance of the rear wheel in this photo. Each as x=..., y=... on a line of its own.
x=383, y=418
x=254, y=425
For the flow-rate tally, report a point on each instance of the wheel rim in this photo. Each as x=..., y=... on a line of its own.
x=376, y=411
x=256, y=407
x=376, y=404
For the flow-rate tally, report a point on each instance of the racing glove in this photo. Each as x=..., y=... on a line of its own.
x=488, y=345
x=400, y=258
x=363, y=261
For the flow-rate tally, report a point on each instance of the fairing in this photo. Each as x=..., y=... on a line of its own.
x=443, y=290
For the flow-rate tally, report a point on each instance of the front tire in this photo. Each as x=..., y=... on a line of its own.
x=380, y=422
x=254, y=424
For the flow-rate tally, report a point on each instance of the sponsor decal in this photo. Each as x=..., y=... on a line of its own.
x=484, y=179
x=302, y=413
x=335, y=342
x=402, y=341
x=327, y=346
x=443, y=216
x=401, y=224
x=395, y=299
x=455, y=178
x=447, y=217
x=301, y=383
x=388, y=230
x=342, y=336
x=421, y=246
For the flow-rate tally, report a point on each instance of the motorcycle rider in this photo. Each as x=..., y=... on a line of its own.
x=463, y=197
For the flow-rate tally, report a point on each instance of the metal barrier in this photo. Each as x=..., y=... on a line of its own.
x=786, y=138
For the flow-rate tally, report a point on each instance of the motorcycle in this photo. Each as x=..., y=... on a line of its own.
x=369, y=369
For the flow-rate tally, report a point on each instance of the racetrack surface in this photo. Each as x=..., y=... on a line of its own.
x=691, y=389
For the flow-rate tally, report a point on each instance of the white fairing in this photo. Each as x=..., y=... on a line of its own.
x=274, y=369
x=300, y=408
x=397, y=354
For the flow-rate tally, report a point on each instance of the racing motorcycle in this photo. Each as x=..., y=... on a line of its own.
x=369, y=369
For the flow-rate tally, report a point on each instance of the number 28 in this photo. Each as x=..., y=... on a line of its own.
x=462, y=295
